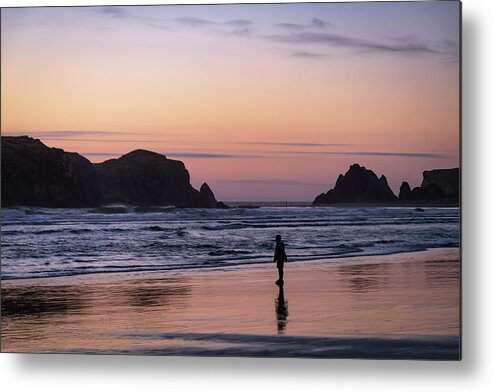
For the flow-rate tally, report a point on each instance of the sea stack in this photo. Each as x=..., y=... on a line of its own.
x=405, y=192
x=358, y=185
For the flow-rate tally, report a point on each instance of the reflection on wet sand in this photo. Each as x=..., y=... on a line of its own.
x=437, y=275
x=42, y=302
x=191, y=313
x=29, y=313
x=48, y=317
x=281, y=311
x=152, y=293
x=365, y=277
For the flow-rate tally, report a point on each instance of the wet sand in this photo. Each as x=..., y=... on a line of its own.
x=396, y=306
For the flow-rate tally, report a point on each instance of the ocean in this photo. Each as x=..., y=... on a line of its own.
x=44, y=242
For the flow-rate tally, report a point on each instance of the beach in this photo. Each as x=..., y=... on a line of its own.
x=402, y=306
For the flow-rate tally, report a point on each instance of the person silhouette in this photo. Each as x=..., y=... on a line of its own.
x=279, y=258
x=281, y=311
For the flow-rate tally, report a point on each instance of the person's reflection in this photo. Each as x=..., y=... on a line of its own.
x=281, y=311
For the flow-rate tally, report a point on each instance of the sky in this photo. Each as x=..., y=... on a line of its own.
x=262, y=102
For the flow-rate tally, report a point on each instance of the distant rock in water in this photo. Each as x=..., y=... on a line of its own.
x=358, y=185
x=36, y=175
x=206, y=193
x=208, y=199
x=405, y=192
x=439, y=185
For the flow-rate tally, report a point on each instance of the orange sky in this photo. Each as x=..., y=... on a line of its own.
x=264, y=102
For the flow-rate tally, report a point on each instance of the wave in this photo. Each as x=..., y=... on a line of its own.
x=228, y=252
x=121, y=238
x=46, y=231
x=181, y=231
x=226, y=260
x=34, y=212
x=79, y=231
x=112, y=209
x=157, y=228
x=314, y=223
x=151, y=209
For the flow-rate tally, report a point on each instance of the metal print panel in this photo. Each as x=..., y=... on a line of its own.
x=267, y=180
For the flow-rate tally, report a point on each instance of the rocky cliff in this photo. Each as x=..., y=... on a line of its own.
x=34, y=174
x=358, y=185
x=148, y=178
x=446, y=179
x=439, y=185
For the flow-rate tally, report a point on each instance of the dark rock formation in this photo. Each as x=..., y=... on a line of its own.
x=36, y=175
x=431, y=192
x=208, y=199
x=206, y=193
x=440, y=185
x=147, y=178
x=358, y=185
x=405, y=192
x=446, y=179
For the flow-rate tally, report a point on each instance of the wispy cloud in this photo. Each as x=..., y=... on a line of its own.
x=241, y=32
x=337, y=40
x=239, y=23
x=319, y=23
x=308, y=55
x=180, y=155
x=114, y=12
x=158, y=26
x=301, y=144
x=114, y=141
x=451, y=49
x=193, y=21
x=316, y=23
x=276, y=154
x=368, y=153
x=290, y=26
x=390, y=154
x=67, y=133
x=447, y=150
x=234, y=27
x=80, y=136
x=298, y=34
x=122, y=13
x=210, y=155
